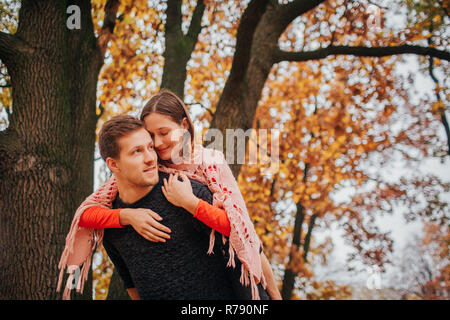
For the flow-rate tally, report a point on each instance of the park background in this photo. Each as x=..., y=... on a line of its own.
x=358, y=92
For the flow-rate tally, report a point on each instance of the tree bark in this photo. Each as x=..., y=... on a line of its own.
x=179, y=47
x=289, y=274
x=46, y=153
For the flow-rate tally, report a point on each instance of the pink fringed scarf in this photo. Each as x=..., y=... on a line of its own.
x=208, y=167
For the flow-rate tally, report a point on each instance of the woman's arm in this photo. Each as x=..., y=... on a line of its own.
x=100, y=218
x=180, y=194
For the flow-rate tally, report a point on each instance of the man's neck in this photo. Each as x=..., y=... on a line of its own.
x=131, y=193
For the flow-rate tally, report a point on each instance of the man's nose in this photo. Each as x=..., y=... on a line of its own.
x=150, y=156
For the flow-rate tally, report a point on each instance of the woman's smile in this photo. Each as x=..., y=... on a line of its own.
x=163, y=150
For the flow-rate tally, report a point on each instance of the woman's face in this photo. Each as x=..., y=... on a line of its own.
x=166, y=134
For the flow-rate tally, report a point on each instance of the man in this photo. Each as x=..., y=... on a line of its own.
x=179, y=267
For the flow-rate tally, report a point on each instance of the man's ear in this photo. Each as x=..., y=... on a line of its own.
x=112, y=165
x=185, y=123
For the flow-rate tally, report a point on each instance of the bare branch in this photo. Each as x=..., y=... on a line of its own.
x=438, y=94
x=293, y=9
x=109, y=22
x=360, y=52
x=202, y=106
x=196, y=21
x=377, y=5
x=102, y=110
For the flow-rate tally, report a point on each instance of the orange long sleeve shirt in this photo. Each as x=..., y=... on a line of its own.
x=101, y=218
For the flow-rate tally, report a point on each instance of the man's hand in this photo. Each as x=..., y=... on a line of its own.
x=145, y=222
x=180, y=193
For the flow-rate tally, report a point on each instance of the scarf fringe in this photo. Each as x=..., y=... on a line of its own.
x=85, y=265
x=212, y=239
x=83, y=275
x=70, y=239
x=246, y=275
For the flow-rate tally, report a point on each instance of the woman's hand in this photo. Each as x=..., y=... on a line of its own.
x=180, y=193
x=145, y=222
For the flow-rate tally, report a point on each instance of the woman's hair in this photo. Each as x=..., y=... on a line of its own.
x=168, y=103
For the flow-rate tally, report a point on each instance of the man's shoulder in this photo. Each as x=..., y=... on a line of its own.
x=201, y=191
x=198, y=185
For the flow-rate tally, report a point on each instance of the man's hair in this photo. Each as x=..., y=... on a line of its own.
x=114, y=129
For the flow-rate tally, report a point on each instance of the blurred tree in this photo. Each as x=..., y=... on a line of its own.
x=423, y=270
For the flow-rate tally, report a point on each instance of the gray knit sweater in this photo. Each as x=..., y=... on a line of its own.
x=178, y=269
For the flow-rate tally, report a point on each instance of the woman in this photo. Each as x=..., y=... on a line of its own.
x=164, y=116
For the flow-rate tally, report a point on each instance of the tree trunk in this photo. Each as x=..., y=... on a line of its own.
x=46, y=153
x=289, y=274
x=179, y=47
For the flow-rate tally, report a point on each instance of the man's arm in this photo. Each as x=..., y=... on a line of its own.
x=134, y=295
x=272, y=288
x=119, y=265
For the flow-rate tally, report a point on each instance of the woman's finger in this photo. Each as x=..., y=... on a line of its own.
x=158, y=234
x=154, y=237
x=155, y=224
x=154, y=214
x=148, y=236
x=165, y=184
x=183, y=177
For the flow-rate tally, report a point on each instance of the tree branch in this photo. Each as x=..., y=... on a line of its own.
x=109, y=22
x=10, y=46
x=360, y=52
x=202, y=106
x=196, y=21
x=438, y=94
x=174, y=17
x=244, y=38
x=293, y=9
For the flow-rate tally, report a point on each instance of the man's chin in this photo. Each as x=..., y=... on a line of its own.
x=154, y=179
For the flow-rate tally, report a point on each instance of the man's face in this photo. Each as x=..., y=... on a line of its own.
x=137, y=163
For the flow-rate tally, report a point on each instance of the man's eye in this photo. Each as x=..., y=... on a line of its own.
x=164, y=133
x=137, y=150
